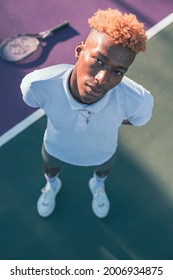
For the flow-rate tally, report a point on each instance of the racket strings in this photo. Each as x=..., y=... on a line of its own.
x=18, y=46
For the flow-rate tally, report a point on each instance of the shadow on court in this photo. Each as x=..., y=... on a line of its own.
x=139, y=225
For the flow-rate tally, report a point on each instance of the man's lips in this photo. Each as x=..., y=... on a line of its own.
x=95, y=91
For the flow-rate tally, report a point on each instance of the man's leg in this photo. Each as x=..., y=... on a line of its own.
x=100, y=201
x=51, y=168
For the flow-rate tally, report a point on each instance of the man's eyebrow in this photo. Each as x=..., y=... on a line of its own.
x=106, y=58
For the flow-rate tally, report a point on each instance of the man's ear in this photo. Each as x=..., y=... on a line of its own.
x=79, y=49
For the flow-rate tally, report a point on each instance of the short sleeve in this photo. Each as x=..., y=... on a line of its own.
x=144, y=112
x=27, y=92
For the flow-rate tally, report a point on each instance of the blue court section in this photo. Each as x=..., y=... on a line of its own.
x=140, y=223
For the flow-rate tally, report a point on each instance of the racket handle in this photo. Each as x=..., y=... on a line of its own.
x=50, y=32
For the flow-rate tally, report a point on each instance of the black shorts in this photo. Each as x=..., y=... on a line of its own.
x=56, y=163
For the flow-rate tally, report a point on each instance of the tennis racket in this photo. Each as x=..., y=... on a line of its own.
x=20, y=46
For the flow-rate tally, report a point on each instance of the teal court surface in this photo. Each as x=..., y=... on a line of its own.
x=140, y=187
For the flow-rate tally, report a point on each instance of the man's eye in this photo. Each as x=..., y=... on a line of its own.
x=98, y=61
x=118, y=73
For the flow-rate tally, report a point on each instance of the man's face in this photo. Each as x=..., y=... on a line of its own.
x=100, y=66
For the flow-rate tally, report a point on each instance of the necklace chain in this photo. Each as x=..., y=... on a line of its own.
x=90, y=114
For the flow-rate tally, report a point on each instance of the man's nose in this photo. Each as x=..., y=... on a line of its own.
x=102, y=77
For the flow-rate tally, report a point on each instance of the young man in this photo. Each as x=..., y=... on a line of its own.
x=87, y=102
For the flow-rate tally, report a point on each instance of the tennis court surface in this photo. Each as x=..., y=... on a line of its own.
x=140, y=187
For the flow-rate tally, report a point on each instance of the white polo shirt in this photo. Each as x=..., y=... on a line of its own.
x=82, y=134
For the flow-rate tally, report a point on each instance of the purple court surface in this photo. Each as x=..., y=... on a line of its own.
x=36, y=15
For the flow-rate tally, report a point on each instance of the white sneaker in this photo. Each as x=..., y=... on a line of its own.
x=46, y=202
x=100, y=202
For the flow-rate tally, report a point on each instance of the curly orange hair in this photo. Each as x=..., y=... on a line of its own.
x=124, y=28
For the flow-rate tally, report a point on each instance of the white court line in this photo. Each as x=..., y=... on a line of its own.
x=15, y=130
x=159, y=26
x=18, y=128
